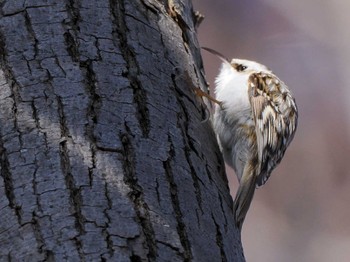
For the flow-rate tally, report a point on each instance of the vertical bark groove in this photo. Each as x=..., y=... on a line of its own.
x=94, y=104
x=219, y=241
x=136, y=196
x=31, y=32
x=74, y=14
x=74, y=192
x=72, y=25
x=72, y=47
x=4, y=157
x=182, y=121
x=7, y=177
x=132, y=66
x=181, y=227
x=105, y=231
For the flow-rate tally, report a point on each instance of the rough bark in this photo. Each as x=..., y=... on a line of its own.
x=103, y=152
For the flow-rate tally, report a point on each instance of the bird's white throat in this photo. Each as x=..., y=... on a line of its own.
x=232, y=89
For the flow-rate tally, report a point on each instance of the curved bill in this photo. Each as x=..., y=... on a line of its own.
x=216, y=53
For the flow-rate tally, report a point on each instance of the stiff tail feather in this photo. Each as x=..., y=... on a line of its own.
x=244, y=196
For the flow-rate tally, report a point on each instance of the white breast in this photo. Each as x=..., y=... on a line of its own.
x=232, y=90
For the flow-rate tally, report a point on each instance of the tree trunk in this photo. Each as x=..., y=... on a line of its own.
x=103, y=152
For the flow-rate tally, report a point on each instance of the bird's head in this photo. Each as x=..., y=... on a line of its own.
x=241, y=66
x=238, y=67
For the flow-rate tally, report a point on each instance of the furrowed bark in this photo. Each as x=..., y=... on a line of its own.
x=103, y=152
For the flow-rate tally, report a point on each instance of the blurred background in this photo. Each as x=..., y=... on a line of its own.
x=303, y=212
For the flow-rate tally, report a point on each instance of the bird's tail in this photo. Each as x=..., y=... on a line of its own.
x=244, y=195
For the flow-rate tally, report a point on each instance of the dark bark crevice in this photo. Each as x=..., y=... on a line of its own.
x=223, y=211
x=181, y=226
x=70, y=36
x=74, y=14
x=179, y=20
x=132, y=67
x=35, y=192
x=183, y=124
x=31, y=32
x=72, y=46
x=35, y=114
x=105, y=229
x=74, y=191
x=5, y=173
x=219, y=241
x=40, y=239
x=150, y=6
x=86, y=65
x=136, y=195
x=135, y=258
x=93, y=106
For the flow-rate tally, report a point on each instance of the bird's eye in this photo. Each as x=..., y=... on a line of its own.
x=240, y=68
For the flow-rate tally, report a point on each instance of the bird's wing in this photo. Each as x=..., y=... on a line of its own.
x=275, y=115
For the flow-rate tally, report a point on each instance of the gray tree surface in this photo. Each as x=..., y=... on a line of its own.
x=104, y=155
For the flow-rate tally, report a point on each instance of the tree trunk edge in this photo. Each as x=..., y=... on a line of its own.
x=63, y=216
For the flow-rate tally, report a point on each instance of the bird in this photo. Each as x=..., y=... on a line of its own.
x=255, y=119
